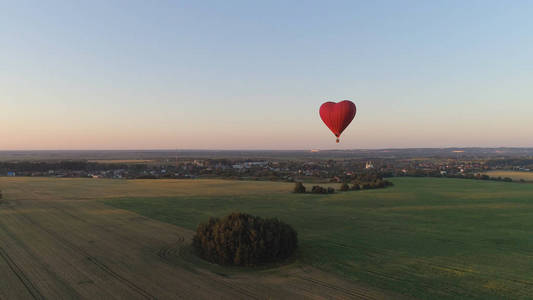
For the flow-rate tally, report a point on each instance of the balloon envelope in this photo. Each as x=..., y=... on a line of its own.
x=337, y=116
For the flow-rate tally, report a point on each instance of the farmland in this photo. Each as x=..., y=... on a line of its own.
x=59, y=240
x=423, y=238
x=515, y=175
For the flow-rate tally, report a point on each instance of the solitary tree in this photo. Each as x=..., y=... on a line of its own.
x=299, y=188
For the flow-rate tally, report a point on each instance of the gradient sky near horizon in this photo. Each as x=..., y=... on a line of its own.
x=252, y=74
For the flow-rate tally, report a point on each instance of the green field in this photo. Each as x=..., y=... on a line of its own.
x=425, y=237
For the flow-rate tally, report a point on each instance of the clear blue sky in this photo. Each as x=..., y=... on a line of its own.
x=252, y=74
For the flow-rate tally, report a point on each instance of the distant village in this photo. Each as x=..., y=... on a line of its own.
x=262, y=169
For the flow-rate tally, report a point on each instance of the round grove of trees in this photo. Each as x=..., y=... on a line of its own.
x=244, y=240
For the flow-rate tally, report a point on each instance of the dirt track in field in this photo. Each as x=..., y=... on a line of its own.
x=57, y=249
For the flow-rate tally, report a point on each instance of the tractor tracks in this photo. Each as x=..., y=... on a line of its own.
x=34, y=292
x=348, y=292
x=167, y=252
x=89, y=257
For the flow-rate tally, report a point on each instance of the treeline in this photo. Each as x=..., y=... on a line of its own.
x=493, y=163
x=29, y=166
x=299, y=188
x=366, y=181
x=356, y=185
x=366, y=185
x=464, y=176
x=322, y=190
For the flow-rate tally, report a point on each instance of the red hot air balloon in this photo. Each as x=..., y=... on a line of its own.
x=337, y=116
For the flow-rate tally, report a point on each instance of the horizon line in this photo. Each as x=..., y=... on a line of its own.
x=301, y=149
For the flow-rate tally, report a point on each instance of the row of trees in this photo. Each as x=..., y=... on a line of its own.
x=465, y=176
x=31, y=166
x=299, y=188
x=499, y=178
x=510, y=162
x=357, y=185
x=377, y=183
x=322, y=190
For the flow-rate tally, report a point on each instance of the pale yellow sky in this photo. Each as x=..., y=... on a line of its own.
x=96, y=76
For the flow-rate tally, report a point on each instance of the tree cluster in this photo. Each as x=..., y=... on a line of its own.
x=322, y=190
x=299, y=188
x=367, y=185
x=499, y=178
x=244, y=240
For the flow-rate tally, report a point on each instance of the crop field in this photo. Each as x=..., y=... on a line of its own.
x=426, y=238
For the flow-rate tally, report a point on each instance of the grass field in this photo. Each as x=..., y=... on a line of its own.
x=427, y=238
x=515, y=175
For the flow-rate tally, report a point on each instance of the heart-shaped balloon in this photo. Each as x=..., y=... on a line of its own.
x=337, y=116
